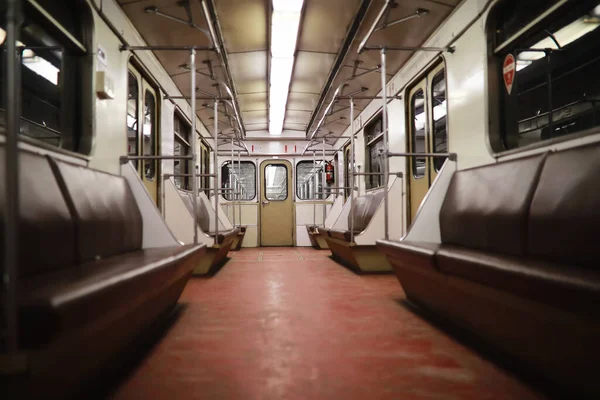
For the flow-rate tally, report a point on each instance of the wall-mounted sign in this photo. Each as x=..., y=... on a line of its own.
x=508, y=72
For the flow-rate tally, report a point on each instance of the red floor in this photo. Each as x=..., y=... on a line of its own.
x=289, y=323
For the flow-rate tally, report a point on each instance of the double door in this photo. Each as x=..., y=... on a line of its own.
x=427, y=134
x=142, y=129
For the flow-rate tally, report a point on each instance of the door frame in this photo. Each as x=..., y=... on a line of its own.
x=291, y=194
x=146, y=84
x=423, y=81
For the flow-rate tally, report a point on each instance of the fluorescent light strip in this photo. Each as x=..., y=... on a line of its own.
x=285, y=22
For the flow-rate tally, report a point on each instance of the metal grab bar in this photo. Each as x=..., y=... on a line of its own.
x=217, y=189
x=450, y=156
x=126, y=159
x=167, y=176
x=398, y=174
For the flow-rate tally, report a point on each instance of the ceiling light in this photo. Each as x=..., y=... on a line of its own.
x=2, y=36
x=285, y=22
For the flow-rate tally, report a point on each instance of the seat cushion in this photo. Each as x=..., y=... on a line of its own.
x=46, y=227
x=574, y=289
x=105, y=211
x=486, y=208
x=65, y=300
x=410, y=254
x=339, y=234
x=564, y=220
x=312, y=229
x=226, y=235
x=342, y=234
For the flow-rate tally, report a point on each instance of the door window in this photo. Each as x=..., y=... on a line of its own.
x=439, y=123
x=417, y=142
x=132, y=116
x=149, y=134
x=276, y=185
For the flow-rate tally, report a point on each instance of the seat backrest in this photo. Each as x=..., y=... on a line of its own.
x=201, y=212
x=486, y=208
x=105, y=211
x=46, y=228
x=365, y=207
x=564, y=222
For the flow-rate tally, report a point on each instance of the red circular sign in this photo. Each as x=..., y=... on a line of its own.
x=508, y=72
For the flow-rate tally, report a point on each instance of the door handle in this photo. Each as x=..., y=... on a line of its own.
x=265, y=202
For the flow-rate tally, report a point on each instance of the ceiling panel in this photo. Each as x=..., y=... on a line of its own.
x=294, y=126
x=254, y=117
x=302, y=101
x=244, y=24
x=294, y=116
x=310, y=71
x=252, y=102
x=325, y=24
x=250, y=71
x=257, y=127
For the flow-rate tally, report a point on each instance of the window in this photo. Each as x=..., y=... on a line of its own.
x=142, y=126
x=205, y=168
x=546, y=77
x=276, y=186
x=182, y=147
x=347, y=169
x=309, y=180
x=439, y=123
x=417, y=142
x=149, y=132
x=132, y=116
x=374, y=144
x=242, y=177
x=55, y=75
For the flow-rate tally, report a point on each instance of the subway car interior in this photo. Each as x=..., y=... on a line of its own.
x=299, y=199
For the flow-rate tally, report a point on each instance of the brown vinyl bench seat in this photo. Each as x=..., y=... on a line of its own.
x=65, y=300
x=86, y=286
x=518, y=261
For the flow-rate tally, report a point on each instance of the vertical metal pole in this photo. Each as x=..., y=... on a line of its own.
x=352, y=176
x=314, y=194
x=231, y=185
x=194, y=144
x=11, y=176
x=550, y=103
x=241, y=188
x=386, y=159
x=216, y=168
x=323, y=176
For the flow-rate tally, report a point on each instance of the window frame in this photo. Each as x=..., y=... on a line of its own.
x=185, y=143
x=371, y=141
x=264, y=184
x=498, y=135
x=76, y=92
x=226, y=195
x=320, y=166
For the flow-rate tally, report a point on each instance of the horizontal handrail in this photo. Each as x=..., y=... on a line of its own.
x=398, y=174
x=187, y=175
x=450, y=156
x=217, y=189
x=126, y=159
